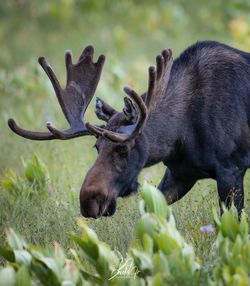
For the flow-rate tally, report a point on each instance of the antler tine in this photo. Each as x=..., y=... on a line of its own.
x=95, y=130
x=55, y=82
x=67, y=134
x=134, y=129
x=143, y=113
x=42, y=136
x=159, y=65
x=151, y=85
x=82, y=80
x=130, y=110
x=32, y=135
x=158, y=78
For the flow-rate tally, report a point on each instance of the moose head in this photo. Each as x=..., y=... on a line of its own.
x=123, y=144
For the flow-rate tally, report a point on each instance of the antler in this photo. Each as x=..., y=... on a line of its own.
x=129, y=132
x=138, y=113
x=158, y=79
x=82, y=80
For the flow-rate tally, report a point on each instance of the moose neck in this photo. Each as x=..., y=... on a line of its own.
x=159, y=138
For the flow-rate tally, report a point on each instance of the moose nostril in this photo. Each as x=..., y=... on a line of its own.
x=111, y=208
x=82, y=211
x=90, y=208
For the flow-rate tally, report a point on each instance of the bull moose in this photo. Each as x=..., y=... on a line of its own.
x=194, y=117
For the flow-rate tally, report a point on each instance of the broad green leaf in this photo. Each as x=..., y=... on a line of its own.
x=51, y=264
x=237, y=247
x=142, y=208
x=91, y=277
x=229, y=225
x=70, y=273
x=143, y=262
x=167, y=244
x=216, y=217
x=107, y=260
x=89, y=250
x=86, y=275
x=154, y=200
x=59, y=255
x=15, y=240
x=246, y=254
x=45, y=265
x=218, y=273
x=11, y=182
x=225, y=250
x=241, y=278
x=146, y=226
x=35, y=171
x=7, y=253
x=23, y=277
x=157, y=279
x=7, y=276
x=244, y=229
x=148, y=243
x=22, y=257
x=161, y=263
x=226, y=275
x=88, y=233
x=46, y=276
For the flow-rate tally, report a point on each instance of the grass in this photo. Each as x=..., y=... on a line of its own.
x=130, y=42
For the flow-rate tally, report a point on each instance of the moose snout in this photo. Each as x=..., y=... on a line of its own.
x=92, y=201
x=95, y=203
x=97, y=196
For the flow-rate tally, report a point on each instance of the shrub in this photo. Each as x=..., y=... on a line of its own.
x=34, y=180
x=233, y=262
x=160, y=256
x=12, y=183
x=36, y=172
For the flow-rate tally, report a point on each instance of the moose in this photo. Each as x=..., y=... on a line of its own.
x=194, y=117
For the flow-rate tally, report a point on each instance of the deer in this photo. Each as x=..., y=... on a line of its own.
x=194, y=118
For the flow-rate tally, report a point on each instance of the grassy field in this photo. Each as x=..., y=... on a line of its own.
x=130, y=35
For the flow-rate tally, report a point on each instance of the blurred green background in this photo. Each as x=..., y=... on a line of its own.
x=130, y=34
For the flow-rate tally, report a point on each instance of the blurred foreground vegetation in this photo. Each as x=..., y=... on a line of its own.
x=160, y=256
x=130, y=34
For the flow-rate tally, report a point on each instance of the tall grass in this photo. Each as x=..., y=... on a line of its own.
x=159, y=256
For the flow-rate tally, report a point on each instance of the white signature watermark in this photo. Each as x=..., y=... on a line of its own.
x=126, y=268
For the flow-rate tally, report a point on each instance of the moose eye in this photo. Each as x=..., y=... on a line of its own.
x=122, y=150
x=120, y=157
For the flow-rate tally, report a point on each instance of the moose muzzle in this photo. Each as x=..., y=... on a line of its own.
x=96, y=196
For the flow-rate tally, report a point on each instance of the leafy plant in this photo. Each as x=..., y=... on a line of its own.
x=36, y=172
x=12, y=183
x=160, y=256
x=37, y=265
x=160, y=251
x=233, y=262
x=163, y=257
x=35, y=178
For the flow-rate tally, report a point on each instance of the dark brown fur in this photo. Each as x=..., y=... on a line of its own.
x=200, y=129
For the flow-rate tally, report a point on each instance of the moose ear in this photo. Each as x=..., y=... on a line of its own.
x=103, y=111
x=130, y=110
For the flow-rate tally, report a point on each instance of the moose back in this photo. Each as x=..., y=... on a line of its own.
x=194, y=117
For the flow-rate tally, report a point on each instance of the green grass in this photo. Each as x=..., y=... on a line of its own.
x=131, y=35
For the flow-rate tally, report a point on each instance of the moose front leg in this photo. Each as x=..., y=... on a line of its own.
x=174, y=188
x=230, y=189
